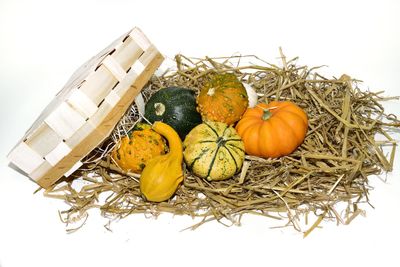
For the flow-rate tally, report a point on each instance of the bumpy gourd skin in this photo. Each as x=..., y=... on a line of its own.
x=214, y=151
x=163, y=174
x=222, y=99
x=134, y=150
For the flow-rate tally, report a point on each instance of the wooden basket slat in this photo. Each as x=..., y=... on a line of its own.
x=25, y=158
x=43, y=140
x=147, y=56
x=114, y=67
x=58, y=153
x=89, y=66
x=87, y=109
x=41, y=170
x=77, y=138
x=65, y=120
x=128, y=52
x=98, y=84
x=140, y=39
x=81, y=103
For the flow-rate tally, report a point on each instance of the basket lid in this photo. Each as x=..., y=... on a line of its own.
x=86, y=109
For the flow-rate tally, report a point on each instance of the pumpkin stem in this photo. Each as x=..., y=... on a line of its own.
x=266, y=115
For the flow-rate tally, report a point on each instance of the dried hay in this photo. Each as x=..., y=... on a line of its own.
x=332, y=166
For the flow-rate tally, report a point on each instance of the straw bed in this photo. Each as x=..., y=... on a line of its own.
x=332, y=166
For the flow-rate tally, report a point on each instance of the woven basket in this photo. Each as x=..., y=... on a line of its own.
x=86, y=110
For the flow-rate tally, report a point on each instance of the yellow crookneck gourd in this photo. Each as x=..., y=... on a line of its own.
x=163, y=174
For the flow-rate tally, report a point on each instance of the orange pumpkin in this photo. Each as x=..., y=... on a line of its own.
x=222, y=99
x=272, y=130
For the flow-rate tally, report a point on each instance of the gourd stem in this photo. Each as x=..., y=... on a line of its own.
x=174, y=141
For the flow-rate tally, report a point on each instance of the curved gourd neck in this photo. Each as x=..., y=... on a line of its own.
x=174, y=141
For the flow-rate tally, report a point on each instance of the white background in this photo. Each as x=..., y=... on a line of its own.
x=43, y=42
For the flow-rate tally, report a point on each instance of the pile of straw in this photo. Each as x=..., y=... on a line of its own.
x=332, y=166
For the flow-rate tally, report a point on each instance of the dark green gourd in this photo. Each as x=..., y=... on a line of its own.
x=174, y=106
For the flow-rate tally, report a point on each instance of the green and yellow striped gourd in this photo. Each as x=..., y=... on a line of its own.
x=214, y=151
